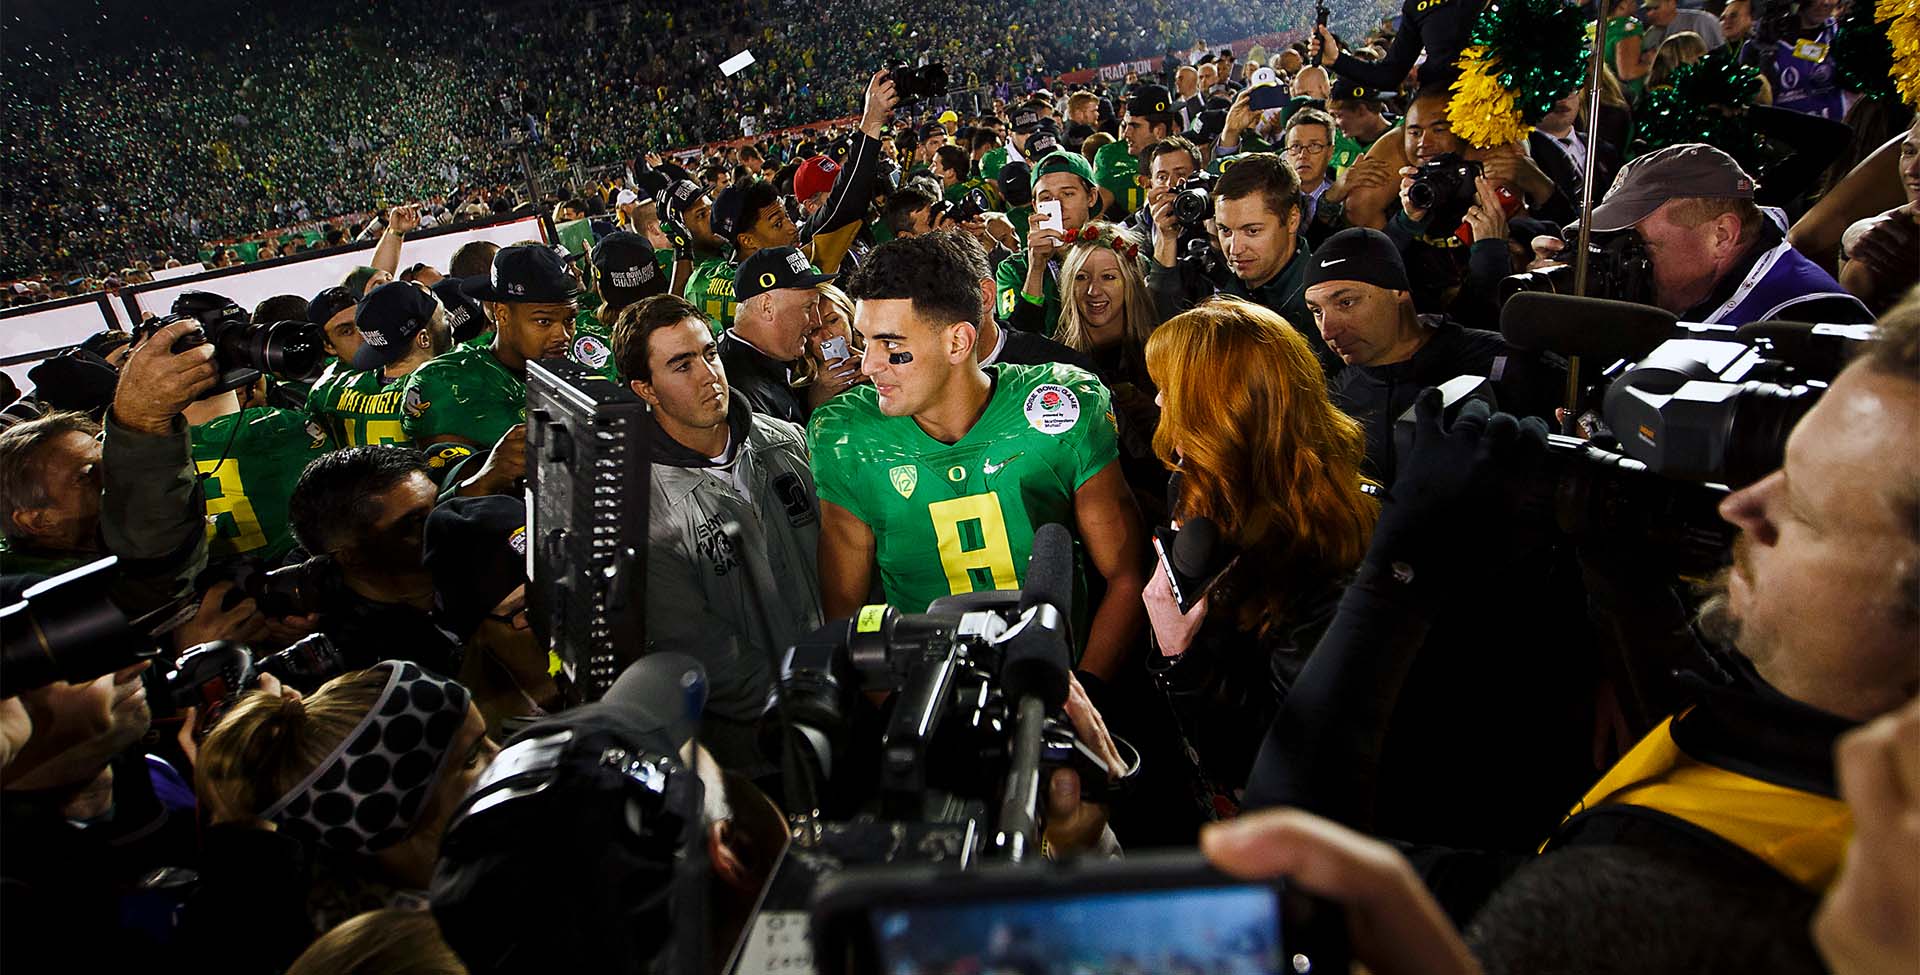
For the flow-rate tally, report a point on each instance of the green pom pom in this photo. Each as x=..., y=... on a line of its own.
x=1540, y=46
x=1706, y=102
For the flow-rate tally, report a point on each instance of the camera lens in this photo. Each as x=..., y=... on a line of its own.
x=1421, y=195
x=1757, y=436
x=290, y=350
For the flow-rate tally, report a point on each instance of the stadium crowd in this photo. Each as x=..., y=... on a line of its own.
x=1398, y=569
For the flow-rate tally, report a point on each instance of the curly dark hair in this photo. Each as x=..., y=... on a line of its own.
x=941, y=272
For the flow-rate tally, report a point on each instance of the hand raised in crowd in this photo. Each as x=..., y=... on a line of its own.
x=403, y=219
x=1000, y=231
x=1393, y=923
x=1454, y=477
x=1488, y=217
x=155, y=384
x=880, y=101
x=1240, y=118
x=835, y=377
x=506, y=463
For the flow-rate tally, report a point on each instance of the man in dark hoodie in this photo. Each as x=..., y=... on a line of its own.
x=1359, y=295
x=733, y=521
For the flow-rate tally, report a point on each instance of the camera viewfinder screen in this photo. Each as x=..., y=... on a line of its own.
x=1231, y=930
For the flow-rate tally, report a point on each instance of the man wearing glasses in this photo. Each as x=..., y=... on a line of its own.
x=1309, y=150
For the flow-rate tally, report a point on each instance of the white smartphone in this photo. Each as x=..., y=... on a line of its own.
x=1048, y=214
x=835, y=349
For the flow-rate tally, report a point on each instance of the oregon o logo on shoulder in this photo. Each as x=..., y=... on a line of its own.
x=1052, y=409
x=766, y=280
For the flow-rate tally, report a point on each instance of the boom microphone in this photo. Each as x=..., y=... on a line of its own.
x=1049, y=571
x=1588, y=327
x=1038, y=657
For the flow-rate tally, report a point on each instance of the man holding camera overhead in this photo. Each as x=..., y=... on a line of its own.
x=1256, y=210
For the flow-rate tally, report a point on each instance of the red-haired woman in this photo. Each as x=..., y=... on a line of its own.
x=1267, y=458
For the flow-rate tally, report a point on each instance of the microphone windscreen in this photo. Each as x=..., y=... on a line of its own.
x=1050, y=571
x=1589, y=327
x=664, y=688
x=1194, y=546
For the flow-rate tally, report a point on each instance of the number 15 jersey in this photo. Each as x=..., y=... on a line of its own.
x=958, y=518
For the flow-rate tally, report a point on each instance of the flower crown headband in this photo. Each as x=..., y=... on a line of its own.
x=1108, y=237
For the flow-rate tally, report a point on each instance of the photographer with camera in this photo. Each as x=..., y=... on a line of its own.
x=1255, y=209
x=733, y=526
x=1715, y=256
x=360, y=514
x=1038, y=449
x=1362, y=301
x=1289, y=531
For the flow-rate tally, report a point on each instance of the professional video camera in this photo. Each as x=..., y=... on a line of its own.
x=968, y=207
x=1193, y=200
x=243, y=350
x=978, y=683
x=1443, y=186
x=1617, y=267
x=918, y=84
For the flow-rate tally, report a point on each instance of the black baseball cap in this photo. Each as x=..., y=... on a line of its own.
x=476, y=551
x=1348, y=90
x=1149, y=100
x=1026, y=120
x=388, y=318
x=586, y=812
x=526, y=274
x=466, y=317
x=627, y=268
x=680, y=196
x=329, y=303
x=775, y=269
x=726, y=212
x=932, y=129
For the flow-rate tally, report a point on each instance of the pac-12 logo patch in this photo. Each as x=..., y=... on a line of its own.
x=904, y=478
x=590, y=351
x=1052, y=409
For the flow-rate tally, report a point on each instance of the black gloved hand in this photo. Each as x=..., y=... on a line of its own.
x=1451, y=496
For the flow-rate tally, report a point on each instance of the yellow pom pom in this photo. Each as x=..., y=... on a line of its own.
x=1902, y=18
x=1482, y=110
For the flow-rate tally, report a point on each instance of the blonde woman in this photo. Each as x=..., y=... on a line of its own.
x=1107, y=314
x=832, y=351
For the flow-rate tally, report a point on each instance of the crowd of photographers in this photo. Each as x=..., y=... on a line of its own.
x=1259, y=330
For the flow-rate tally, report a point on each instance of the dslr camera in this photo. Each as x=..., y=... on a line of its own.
x=918, y=84
x=307, y=587
x=1193, y=200
x=1618, y=268
x=968, y=207
x=1444, y=188
x=243, y=350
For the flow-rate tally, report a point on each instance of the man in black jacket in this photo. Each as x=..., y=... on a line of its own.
x=1357, y=289
x=778, y=308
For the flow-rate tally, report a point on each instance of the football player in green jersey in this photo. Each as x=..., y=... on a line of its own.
x=250, y=460
x=402, y=327
x=1116, y=167
x=332, y=310
x=940, y=473
x=477, y=397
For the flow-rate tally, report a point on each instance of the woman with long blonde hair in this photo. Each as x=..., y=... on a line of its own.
x=1266, y=457
x=1106, y=314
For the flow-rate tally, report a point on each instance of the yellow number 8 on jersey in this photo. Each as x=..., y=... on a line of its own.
x=987, y=565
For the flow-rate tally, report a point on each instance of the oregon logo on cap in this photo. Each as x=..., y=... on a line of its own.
x=766, y=280
x=1159, y=106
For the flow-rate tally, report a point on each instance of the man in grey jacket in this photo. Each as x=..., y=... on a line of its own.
x=733, y=522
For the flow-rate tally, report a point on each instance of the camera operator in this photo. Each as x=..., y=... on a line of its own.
x=1256, y=212
x=733, y=526
x=1028, y=283
x=1816, y=617
x=50, y=481
x=361, y=513
x=1716, y=257
x=400, y=328
x=1361, y=299
x=1169, y=163
x=1295, y=529
x=1038, y=449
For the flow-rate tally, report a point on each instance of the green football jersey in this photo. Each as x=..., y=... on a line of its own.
x=593, y=344
x=1010, y=279
x=958, y=518
x=466, y=393
x=248, y=491
x=1116, y=170
x=993, y=161
x=359, y=408
x=711, y=290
